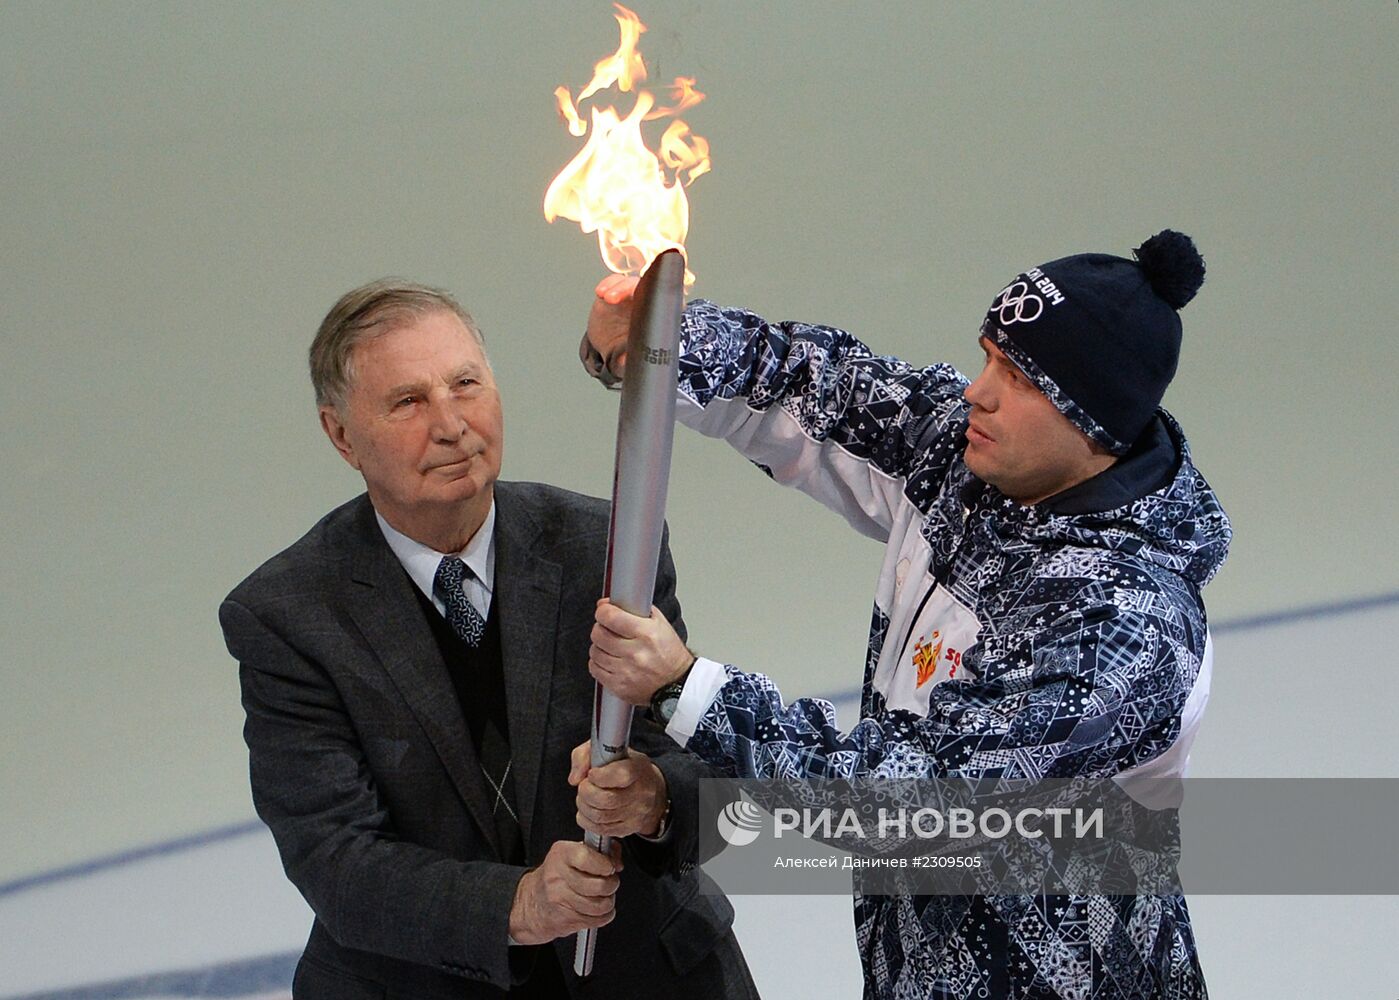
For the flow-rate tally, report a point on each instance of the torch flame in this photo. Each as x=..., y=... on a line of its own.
x=685, y=96
x=616, y=186
x=623, y=67
x=569, y=112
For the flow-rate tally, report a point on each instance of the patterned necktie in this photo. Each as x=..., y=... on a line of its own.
x=492, y=744
x=462, y=615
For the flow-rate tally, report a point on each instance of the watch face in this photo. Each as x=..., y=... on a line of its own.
x=668, y=706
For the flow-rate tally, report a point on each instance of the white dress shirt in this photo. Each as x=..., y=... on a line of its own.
x=421, y=563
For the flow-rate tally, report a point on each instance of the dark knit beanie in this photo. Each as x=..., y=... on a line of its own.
x=1100, y=335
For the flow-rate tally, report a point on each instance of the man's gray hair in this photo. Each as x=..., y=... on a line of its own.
x=366, y=312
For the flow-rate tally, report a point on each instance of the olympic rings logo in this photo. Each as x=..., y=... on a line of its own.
x=1015, y=304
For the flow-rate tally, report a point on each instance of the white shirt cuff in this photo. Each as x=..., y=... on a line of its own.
x=701, y=688
x=663, y=834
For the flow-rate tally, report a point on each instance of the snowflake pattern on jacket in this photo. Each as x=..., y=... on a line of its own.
x=1089, y=634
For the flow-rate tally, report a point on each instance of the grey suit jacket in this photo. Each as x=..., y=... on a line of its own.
x=362, y=767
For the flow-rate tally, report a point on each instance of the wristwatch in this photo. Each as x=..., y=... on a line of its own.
x=667, y=699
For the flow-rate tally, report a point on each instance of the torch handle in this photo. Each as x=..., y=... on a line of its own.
x=609, y=706
x=645, y=433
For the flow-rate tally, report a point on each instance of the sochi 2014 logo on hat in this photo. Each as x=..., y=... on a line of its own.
x=740, y=822
x=1018, y=304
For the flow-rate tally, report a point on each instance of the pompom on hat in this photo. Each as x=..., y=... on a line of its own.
x=1100, y=335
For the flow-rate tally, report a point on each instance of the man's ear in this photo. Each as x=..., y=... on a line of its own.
x=334, y=429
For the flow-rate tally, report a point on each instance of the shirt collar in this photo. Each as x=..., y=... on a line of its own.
x=421, y=562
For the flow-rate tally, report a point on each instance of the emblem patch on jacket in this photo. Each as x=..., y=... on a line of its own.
x=941, y=632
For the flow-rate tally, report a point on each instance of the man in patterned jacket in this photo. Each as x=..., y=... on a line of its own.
x=1038, y=613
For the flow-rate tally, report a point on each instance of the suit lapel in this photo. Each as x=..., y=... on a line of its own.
x=382, y=602
x=528, y=588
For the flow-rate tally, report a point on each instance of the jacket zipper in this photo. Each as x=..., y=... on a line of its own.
x=913, y=622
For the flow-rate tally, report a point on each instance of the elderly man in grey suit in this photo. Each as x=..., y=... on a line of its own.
x=414, y=672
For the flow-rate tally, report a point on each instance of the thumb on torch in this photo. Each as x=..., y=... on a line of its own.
x=580, y=763
x=617, y=288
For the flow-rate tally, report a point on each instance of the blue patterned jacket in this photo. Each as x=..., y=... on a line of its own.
x=1062, y=639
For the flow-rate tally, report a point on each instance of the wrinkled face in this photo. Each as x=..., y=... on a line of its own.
x=1017, y=441
x=421, y=421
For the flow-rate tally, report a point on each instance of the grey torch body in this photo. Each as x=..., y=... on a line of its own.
x=645, y=433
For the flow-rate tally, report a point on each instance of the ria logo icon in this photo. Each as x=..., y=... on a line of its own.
x=740, y=822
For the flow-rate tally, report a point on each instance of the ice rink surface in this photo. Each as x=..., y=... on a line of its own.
x=212, y=916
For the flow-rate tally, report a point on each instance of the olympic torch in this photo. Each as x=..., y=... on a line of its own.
x=645, y=433
x=633, y=197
